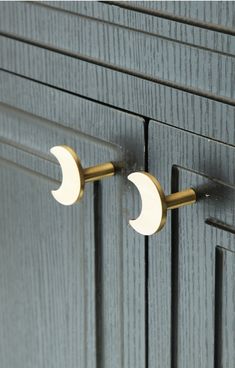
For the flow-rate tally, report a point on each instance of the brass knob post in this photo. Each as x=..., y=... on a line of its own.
x=98, y=172
x=180, y=199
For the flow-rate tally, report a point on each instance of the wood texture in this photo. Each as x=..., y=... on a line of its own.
x=183, y=279
x=195, y=113
x=203, y=13
x=227, y=322
x=47, y=287
x=148, y=23
x=184, y=66
x=72, y=278
x=78, y=286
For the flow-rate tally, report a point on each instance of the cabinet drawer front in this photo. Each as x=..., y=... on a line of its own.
x=72, y=277
x=173, y=71
x=199, y=114
x=200, y=69
x=216, y=15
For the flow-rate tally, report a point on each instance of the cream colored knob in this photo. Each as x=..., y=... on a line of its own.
x=74, y=176
x=155, y=204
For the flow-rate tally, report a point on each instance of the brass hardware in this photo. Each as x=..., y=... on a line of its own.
x=155, y=204
x=74, y=176
x=180, y=199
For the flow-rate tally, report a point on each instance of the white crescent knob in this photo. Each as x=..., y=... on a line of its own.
x=153, y=214
x=72, y=186
x=75, y=176
x=155, y=204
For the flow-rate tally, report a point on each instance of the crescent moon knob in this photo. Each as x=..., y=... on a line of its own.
x=75, y=176
x=155, y=203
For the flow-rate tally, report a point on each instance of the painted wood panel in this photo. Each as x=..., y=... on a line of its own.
x=47, y=267
x=144, y=97
x=148, y=23
x=226, y=312
x=75, y=278
x=183, y=66
x=183, y=278
x=202, y=13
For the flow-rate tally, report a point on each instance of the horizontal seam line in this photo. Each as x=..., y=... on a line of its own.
x=218, y=224
x=96, y=62
x=29, y=170
x=176, y=18
x=118, y=25
x=26, y=149
x=43, y=121
x=73, y=93
x=204, y=175
x=150, y=119
x=193, y=133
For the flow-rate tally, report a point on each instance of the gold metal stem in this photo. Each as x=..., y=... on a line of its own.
x=98, y=172
x=180, y=199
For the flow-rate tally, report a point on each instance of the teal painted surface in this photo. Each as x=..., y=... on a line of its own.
x=185, y=66
x=187, y=285
x=72, y=278
x=78, y=286
x=201, y=115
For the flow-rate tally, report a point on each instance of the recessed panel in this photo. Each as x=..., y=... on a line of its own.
x=183, y=274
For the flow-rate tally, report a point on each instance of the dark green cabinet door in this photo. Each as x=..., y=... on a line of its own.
x=72, y=282
x=192, y=260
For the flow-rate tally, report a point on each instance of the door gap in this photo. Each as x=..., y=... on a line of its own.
x=174, y=271
x=146, y=255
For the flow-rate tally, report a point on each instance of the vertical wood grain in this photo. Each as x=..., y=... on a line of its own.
x=47, y=276
x=225, y=323
x=161, y=58
x=216, y=13
x=98, y=318
x=182, y=257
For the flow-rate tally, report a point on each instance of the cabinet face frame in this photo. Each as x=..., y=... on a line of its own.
x=188, y=111
x=187, y=277
x=35, y=117
x=189, y=58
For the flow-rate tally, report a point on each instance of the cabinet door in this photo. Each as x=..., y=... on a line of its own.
x=192, y=260
x=72, y=279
